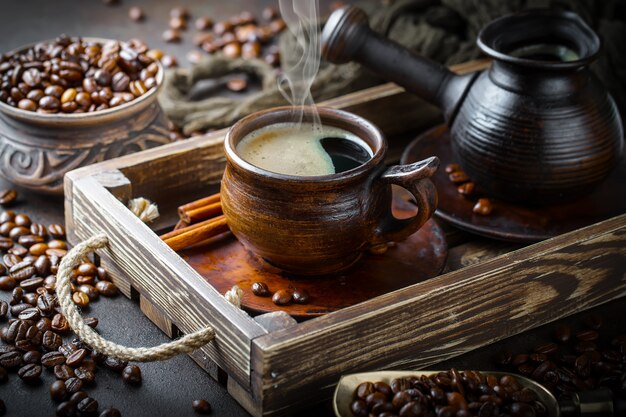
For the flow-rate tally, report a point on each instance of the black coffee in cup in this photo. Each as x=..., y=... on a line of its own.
x=303, y=150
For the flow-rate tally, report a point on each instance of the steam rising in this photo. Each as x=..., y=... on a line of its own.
x=301, y=17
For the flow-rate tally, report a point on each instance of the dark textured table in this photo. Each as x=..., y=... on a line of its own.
x=168, y=387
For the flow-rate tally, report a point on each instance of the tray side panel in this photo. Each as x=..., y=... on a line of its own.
x=443, y=317
x=164, y=279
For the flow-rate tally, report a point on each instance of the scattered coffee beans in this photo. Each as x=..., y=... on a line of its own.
x=71, y=75
x=451, y=393
x=577, y=361
x=33, y=335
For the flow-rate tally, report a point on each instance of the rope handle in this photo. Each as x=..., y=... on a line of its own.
x=71, y=260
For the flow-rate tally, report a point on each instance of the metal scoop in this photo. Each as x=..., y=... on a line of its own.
x=597, y=403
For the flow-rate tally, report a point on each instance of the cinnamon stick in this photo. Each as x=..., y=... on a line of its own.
x=198, y=204
x=196, y=233
x=201, y=213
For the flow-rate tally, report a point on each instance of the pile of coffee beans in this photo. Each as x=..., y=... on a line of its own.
x=447, y=394
x=37, y=337
x=466, y=188
x=242, y=35
x=71, y=75
x=578, y=359
x=282, y=296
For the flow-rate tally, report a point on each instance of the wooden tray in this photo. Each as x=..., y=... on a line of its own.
x=480, y=298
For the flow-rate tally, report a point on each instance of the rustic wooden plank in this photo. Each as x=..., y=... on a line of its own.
x=244, y=398
x=443, y=317
x=202, y=358
x=117, y=184
x=164, y=278
x=476, y=251
x=156, y=316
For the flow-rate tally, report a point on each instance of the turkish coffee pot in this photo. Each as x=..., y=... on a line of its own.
x=535, y=127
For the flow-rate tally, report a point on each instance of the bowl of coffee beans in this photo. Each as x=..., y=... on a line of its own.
x=70, y=102
x=450, y=393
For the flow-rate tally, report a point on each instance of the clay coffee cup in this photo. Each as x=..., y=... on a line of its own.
x=320, y=225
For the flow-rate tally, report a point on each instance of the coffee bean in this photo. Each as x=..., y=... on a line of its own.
x=90, y=290
x=91, y=322
x=12, y=359
x=30, y=373
x=73, y=385
x=221, y=28
x=32, y=357
x=4, y=309
x=18, y=231
x=232, y=50
x=22, y=270
x=58, y=392
x=85, y=375
x=80, y=299
x=7, y=283
x=282, y=297
x=52, y=359
x=78, y=397
x=51, y=340
x=201, y=406
x=67, y=349
x=88, y=406
x=204, y=23
x=63, y=372
x=31, y=284
x=59, y=324
x=110, y=412
x=116, y=365
x=587, y=335
x=66, y=409
x=466, y=189
x=260, y=289
x=301, y=296
x=136, y=14
x=30, y=314
x=171, y=36
x=76, y=357
x=107, y=288
x=269, y=13
x=169, y=61
x=8, y=197
x=18, y=308
x=483, y=207
x=132, y=375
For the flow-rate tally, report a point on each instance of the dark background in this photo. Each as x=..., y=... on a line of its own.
x=168, y=387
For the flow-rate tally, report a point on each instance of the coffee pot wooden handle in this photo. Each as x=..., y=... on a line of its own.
x=416, y=179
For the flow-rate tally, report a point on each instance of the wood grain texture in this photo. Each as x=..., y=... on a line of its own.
x=164, y=279
x=443, y=317
x=156, y=316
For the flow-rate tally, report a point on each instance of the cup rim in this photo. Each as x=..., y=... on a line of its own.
x=241, y=128
x=59, y=118
x=503, y=31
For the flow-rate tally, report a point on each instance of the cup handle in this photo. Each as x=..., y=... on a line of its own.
x=415, y=178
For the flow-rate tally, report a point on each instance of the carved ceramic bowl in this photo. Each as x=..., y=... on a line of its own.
x=36, y=150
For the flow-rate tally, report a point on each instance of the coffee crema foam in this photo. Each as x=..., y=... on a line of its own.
x=286, y=148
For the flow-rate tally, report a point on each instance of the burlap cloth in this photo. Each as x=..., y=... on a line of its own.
x=443, y=30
